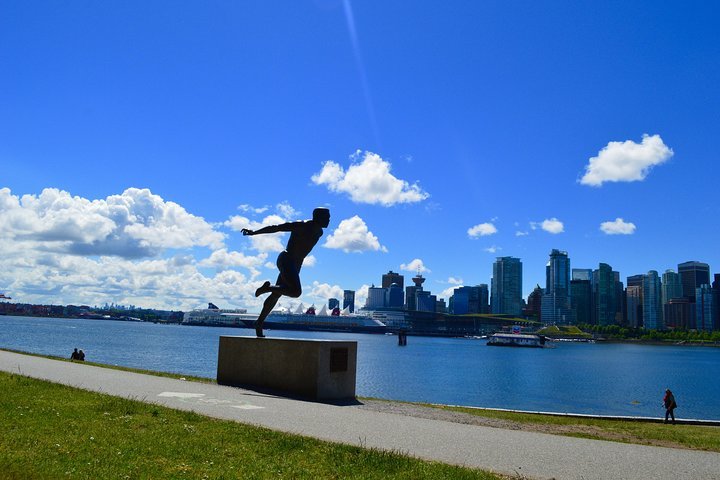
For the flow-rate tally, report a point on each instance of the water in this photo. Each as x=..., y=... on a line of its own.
x=606, y=379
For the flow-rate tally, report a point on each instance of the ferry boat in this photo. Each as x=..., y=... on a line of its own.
x=300, y=319
x=516, y=340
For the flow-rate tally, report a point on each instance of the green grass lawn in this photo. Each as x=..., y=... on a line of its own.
x=50, y=431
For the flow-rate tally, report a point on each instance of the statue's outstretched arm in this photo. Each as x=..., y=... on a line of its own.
x=284, y=227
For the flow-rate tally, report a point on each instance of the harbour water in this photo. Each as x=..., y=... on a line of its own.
x=605, y=379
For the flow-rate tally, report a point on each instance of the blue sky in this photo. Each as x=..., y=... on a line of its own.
x=137, y=138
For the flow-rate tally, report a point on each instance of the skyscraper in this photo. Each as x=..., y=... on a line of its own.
x=692, y=275
x=581, y=300
x=470, y=300
x=671, y=286
x=705, y=308
x=506, y=286
x=556, y=299
x=605, y=303
x=392, y=277
x=633, y=300
x=652, y=302
x=637, y=281
x=349, y=300
x=582, y=274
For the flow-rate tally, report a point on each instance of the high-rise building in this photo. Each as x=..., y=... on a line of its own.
x=604, y=293
x=582, y=274
x=652, y=302
x=637, y=281
x=375, y=298
x=349, y=300
x=394, y=296
x=705, y=308
x=679, y=313
x=581, y=300
x=470, y=300
x=333, y=303
x=692, y=275
x=534, y=303
x=671, y=286
x=632, y=305
x=716, y=300
x=556, y=299
x=506, y=286
x=425, y=301
x=411, y=292
x=393, y=277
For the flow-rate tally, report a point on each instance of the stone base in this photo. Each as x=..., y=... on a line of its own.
x=315, y=369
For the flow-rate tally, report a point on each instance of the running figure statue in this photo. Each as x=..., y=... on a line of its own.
x=303, y=237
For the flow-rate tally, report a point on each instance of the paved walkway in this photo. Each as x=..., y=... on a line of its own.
x=529, y=454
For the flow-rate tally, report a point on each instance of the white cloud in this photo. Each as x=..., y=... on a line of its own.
x=361, y=295
x=249, y=208
x=521, y=233
x=626, y=161
x=310, y=261
x=324, y=291
x=492, y=249
x=134, y=224
x=618, y=227
x=222, y=259
x=415, y=266
x=455, y=281
x=550, y=225
x=368, y=180
x=352, y=235
x=481, y=230
x=268, y=242
x=448, y=292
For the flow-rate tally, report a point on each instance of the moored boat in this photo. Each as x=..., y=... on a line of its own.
x=516, y=340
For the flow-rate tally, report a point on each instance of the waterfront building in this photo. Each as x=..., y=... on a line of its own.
x=394, y=296
x=693, y=275
x=375, y=298
x=534, y=303
x=637, y=281
x=581, y=300
x=506, y=286
x=333, y=303
x=555, y=305
x=411, y=292
x=679, y=313
x=716, y=300
x=582, y=274
x=671, y=286
x=633, y=301
x=393, y=277
x=425, y=301
x=349, y=300
x=470, y=299
x=652, y=302
x=705, y=308
x=440, y=306
x=604, y=294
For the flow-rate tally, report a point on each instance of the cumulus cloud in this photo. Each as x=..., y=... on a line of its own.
x=626, y=161
x=368, y=180
x=550, y=225
x=481, y=230
x=493, y=249
x=455, y=281
x=222, y=259
x=268, y=242
x=618, y=227
x=448, y=292
x=134, y=224
x=361, y=295
x=353, y=235
x=325, y=291
x=310, y=261
x=249, y=208
x=415, y=266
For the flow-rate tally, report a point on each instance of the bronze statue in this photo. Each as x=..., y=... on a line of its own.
x=304, y=236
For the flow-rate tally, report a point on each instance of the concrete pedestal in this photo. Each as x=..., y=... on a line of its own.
x=315, y=369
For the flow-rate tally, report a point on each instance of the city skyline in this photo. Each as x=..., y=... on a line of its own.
x=139, y=139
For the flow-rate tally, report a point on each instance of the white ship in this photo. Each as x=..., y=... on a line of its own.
x=299, y=319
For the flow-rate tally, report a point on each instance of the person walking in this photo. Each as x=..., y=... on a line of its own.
x=670, y=405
